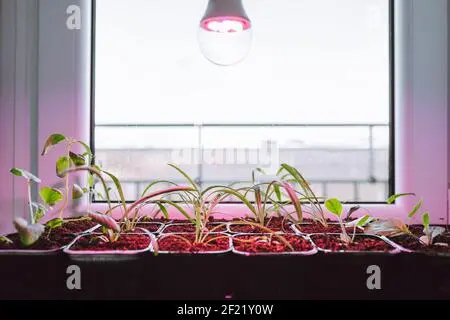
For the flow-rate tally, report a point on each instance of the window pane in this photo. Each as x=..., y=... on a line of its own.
x=314, y=92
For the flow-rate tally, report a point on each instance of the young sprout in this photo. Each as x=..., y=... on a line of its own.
x=110, y=226
x=30, y=178
x=393, y=227
x=202, y=205
x=108, y=223
x=264, y=206
x=335, y=207
x=430, y=232
x=291, y=175
x=68, y=161
x=30, y=231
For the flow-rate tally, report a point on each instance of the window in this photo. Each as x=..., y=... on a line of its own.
x=314, y=91
x=59, y=99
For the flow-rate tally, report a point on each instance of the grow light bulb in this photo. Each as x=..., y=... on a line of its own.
x=225, y=33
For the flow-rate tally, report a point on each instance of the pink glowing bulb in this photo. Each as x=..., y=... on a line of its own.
x=225, y=33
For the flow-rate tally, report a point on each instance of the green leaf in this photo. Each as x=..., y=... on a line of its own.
x=23, y=173
x=191, y=181
x=50, y=196
x=276, y=188
x=62, y=165
x=53, y=140
x=416, y=208
x=233, y=192
x=77, y=192
x=78, y=160
x=426, y=220
x=55, y=223
x=39, y=206
x=5, y=240
x=394, y=197
x=39, y=214
x=163, y=210
x=363, y=221
x=91, y=180
x=118, y=187
x=39, y=211
x=87, y=149
x=180, y=209
x=317, y=212
x=334, y=206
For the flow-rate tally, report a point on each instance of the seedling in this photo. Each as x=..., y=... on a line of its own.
x=30, y=178
x=30, y=231
x=263, y=208
x=111, y=228
x=335, y=207
x=395, y=227
x=307, y=198
x=70, y=160
x=202, y=206
x=430, y=232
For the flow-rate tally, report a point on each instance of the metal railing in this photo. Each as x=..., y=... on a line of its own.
x=324, y=183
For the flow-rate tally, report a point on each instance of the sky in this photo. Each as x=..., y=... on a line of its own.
x=311, y=61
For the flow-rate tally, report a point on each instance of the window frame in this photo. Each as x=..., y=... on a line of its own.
x=400, y=17
x=391, y=147
x=421, y=71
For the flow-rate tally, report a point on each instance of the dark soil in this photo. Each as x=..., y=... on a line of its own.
x=416, y=229
x=53, y=242
x=126, y=242
x=274, y=224
x=212, y=225
x=218, y=242
x=160, y=220
x=76, y=227
x=210, y=220
x=149, y=226
x=137, y=229
x=411, y=243
x=361, y=243
x=270, y=243
x=189, y=227
x=152, y=227
x=179, y=221
x=318, y=228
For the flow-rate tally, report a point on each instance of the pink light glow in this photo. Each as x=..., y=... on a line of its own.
x=226, y=24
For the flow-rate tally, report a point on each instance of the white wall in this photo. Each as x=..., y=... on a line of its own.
x=40, y=81
x=18, y=103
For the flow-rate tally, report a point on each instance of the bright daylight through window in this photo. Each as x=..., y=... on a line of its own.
x=313, y=90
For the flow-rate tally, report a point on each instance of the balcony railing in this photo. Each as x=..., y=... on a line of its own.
x=355, y=171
